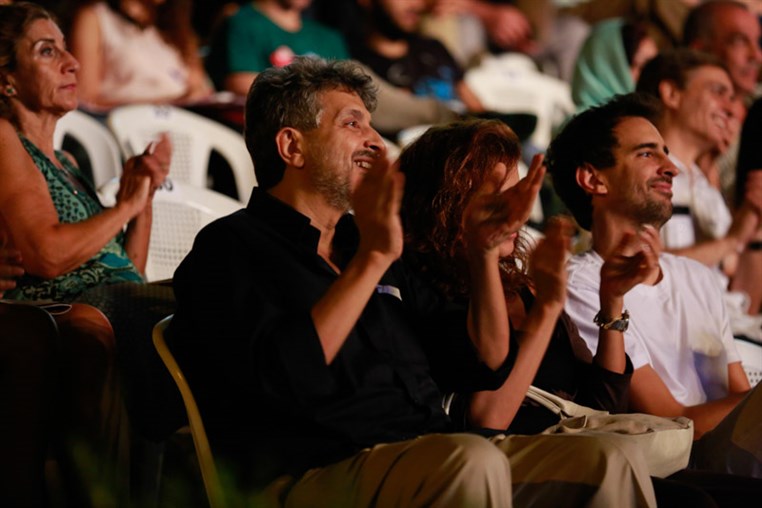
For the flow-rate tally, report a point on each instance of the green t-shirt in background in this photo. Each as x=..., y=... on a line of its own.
x=249, y=42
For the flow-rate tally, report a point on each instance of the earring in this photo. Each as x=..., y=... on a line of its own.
x=10, y=91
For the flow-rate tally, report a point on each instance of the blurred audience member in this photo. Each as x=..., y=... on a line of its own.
x=610, y=61
x=271, y=33
x=664, y=18
x=729, y=30
x=535, y=28
x=696, y=96
x=137, y=51
x=749, y=272
x=393, y=49
x=267, y=33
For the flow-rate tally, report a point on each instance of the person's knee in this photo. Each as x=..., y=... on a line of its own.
x=452, y=470
x=469, y=458
x=89, y=328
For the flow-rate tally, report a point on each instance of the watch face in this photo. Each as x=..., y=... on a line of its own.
x=621, y=324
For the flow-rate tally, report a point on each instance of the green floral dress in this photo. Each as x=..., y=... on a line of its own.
x=75, y=200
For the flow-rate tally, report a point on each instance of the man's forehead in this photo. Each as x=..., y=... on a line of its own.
x=337, y=102
x=733, y=20
x=708, y=73
x=634, y=131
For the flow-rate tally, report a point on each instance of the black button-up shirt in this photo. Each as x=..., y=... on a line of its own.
x=244, y=336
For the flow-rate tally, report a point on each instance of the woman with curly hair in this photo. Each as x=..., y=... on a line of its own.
x=454, y=167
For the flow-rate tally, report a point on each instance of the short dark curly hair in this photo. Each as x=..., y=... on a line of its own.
x=289, y=97
x=588, y=138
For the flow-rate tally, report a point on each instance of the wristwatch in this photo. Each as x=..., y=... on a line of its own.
x=619, y=323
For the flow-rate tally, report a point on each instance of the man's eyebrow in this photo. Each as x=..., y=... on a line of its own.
x=355, y=113
x=652, y=145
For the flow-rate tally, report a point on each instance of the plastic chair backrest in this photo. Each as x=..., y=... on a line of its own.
x=180, y=211
x=193, y=136
x=100, y=145
x=510, y=83
x=201, y=443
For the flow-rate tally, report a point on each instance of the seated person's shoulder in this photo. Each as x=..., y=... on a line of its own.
x=683, y=267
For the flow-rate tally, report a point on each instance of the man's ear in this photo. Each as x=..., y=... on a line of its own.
x=588, y=178
x=670, y=94
x=290, y=143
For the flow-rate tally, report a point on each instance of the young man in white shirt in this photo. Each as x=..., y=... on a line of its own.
x=611, y=167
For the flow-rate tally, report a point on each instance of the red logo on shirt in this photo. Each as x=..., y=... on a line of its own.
x=282, y=56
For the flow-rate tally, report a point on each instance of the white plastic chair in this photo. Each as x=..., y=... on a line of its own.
x=100, y=145
x=180, y=210
x=510, y=83
x=193, y=139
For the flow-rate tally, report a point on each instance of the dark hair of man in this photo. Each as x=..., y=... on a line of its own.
x=633, y=33
x=443, y=170
x=699, y=24
x=290, y=97
x=674, y=66
x=589, y=139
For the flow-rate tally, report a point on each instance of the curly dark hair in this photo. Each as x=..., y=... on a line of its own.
x=443, y=169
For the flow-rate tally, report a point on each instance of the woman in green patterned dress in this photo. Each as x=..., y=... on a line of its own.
x=72, y=249
x=68, y=241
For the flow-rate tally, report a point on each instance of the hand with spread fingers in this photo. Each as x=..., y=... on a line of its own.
x=492, y=215
x=635, y=260
x=376, y=204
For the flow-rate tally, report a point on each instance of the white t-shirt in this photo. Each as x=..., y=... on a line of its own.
x=678, y=326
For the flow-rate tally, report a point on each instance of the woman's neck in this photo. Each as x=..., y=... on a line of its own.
x=39, y=129
x=139, y=12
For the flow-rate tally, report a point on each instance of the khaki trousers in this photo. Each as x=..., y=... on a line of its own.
x=466, y=470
